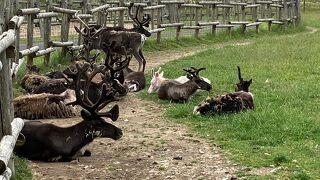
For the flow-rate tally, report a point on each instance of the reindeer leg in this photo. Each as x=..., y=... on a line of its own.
x=140, y=60
x=144, y=60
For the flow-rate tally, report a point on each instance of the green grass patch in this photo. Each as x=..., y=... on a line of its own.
x=284, y=128
x=22, y=170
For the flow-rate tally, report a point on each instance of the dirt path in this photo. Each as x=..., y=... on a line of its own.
x=151, y=148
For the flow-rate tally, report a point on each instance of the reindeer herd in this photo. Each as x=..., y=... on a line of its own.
x=93, y=85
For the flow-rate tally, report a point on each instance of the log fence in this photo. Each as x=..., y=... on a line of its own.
x=166, y=17
x=9, y=127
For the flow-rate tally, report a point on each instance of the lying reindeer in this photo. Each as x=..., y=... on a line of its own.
x=47, y=142
x=231, y=102
x=157, y=79
x=243, y=85
x=35, y=83
x=44, y=105
x=135, y=81
x=177, y=92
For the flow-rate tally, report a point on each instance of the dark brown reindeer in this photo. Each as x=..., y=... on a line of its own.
x=138, y=26
x=234, y=102
x=47, y=142
x=35, y=83
x=134, y=81
x=243, y=85
x=178, y=92
x=95, y=39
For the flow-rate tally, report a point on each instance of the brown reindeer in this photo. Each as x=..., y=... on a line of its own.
x=128, y=38
x=178, y=92
x=47, y=142
x=35, y=83
x=243, y=85
x=237, y=101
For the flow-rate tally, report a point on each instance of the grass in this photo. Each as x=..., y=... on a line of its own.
x=22, y=170
x=284, y=129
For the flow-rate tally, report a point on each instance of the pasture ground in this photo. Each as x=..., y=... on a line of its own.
x=277, y=140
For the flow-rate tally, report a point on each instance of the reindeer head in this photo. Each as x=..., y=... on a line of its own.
x=90, y=113
x=243, y=85
x=33, y=69
x=194, y=76
x=98, y=127
x=157, y=78
x=139, y=25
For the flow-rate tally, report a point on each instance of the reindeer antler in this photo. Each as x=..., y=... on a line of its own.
x=197, y=70
x=81, y=21
x=119, y=61
x=144, y=22
x=107, y=94
x=239, y=75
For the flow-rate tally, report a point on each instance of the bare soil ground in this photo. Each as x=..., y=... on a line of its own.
x=151, y=147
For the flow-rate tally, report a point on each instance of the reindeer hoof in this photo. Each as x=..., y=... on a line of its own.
x=87, y=153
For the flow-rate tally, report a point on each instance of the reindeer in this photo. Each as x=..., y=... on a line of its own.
x=243, y=85
x=157, y=79
x=47, y=142
x=96, y=39
x=44, y=105
x=35, y=83
x=138, y=26
x=231, y=102
x=177, y=92
x=135, y=81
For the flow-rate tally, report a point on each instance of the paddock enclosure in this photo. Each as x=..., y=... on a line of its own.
x=31, y=29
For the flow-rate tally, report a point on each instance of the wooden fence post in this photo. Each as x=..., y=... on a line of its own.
x=47, y=33
x=65, y=27
x=285, y=13
x=297, y=11
x=159, y=21
x=17, y=42
x=5, y=83
x=121, y=14
x=30, y=18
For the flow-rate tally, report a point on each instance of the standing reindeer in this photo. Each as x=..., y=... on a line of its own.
x=129, y=38
x=47, y=142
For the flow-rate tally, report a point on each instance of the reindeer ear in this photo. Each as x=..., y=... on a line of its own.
x=250, y=81
x=86, y=115
x=189, y=76
x=161, y=74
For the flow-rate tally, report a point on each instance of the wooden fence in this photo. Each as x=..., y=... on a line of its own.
x=9, y=127
x=171, y=17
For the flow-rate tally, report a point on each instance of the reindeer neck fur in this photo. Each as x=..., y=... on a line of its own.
x=189, y=87
x=78, y=135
